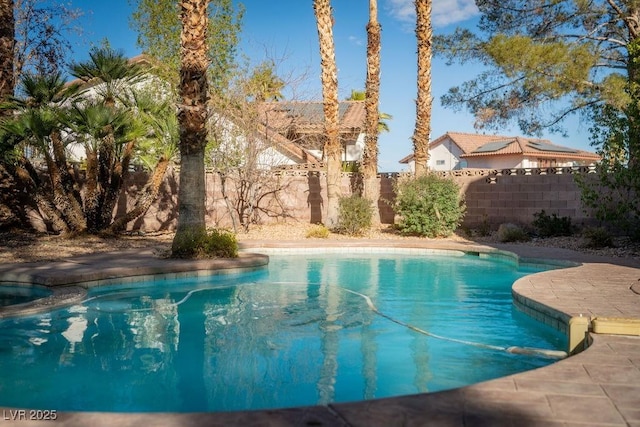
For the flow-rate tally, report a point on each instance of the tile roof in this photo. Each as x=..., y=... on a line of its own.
x=476, y=145
x=467, y=142
x=288, y=148
x=527, y=147
x=308, y=117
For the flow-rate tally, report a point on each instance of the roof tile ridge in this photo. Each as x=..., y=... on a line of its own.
x=475, y=134
x=522, y=144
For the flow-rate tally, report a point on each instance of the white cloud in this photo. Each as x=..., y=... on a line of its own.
x=444, y=12
x=355, y=40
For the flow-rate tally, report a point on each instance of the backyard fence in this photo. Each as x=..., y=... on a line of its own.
x=492, y=197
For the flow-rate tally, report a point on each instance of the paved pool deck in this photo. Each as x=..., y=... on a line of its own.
x=597, y=387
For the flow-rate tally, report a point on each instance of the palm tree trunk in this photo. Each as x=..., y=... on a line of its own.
x=92, y=193
x=371, y=102
x=145, y=198
x=60, y=198
x=118, y=174
x=28, y=176
x=106, y=165
x=7, y=41
x=68, y=183
x=329, y=78
x=192, y=118
x=424, y=100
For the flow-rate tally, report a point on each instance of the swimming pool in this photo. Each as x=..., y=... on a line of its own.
x=11, y=295
x=298, y=333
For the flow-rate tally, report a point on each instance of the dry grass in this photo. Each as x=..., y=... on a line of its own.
x=19, y=246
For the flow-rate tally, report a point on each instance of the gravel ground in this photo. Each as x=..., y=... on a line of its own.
x=18, y=246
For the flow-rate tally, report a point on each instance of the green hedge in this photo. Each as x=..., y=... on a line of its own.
x=429, y=206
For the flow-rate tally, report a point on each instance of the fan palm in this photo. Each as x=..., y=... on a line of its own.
x=373, y=119
x=192, y=121
x=156, y=150
x=108, y=136
x=421, y=134
x=109, y=73
x=37, y=125
x=329, y=78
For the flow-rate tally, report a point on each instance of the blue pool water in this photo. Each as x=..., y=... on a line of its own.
x=10, y=295
x=292, y=334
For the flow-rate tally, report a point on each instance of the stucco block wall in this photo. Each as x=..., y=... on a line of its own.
x=511, y=196
x=492, y=197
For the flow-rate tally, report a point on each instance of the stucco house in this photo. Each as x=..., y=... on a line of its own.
x=290, y=134
x=284, y=133
x=456, y=150
x=302, y=125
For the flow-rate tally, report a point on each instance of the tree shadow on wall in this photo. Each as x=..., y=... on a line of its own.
x=314, y=198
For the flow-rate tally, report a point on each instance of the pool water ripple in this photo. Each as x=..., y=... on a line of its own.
x=297, y=333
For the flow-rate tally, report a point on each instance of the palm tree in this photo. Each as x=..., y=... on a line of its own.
x=264, y=84
x=192, y=121
x=329, y=78
x=157, y=149
x=372, y=100
x=106, y=129
x=108, y=136
x=37, y=124
x=7, y=40
x=424, y=100
x=107, y=124
x=108, y=72
x=360, y=95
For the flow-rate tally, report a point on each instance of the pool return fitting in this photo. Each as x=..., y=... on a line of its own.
x=540, y=352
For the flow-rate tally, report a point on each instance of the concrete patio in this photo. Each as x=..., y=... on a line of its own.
x=597, y=387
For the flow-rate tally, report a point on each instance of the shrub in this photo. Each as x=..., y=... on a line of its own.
x=511, y=233
x=552, y=226
x=212, y=244
x=429, y=206
x=354, y=215
x=484, y=229
x=318, y=231
x=597, y=237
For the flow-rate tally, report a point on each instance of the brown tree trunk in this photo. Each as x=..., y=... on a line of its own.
x=329, y=78
x=66, y=196
x=7, y=42
x=192, y=118
x=371, y=102
x=92, y=192
x=145, y=198
x=28, y=176
x=118, y=175
x=67, y=180
x=106, y=165
x=60, y=199
x=424, y=100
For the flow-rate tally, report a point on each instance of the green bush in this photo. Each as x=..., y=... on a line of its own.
x=512, y=233
x=552, y=226
x=597, y=237
x=318, y=231
x=212, y=244
x=354, y=215
x=484, y=229
x=429, y=206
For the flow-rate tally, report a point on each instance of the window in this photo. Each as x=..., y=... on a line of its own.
x=439, y=162
x=546, y=163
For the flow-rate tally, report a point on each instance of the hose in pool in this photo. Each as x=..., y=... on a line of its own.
x=550, y=354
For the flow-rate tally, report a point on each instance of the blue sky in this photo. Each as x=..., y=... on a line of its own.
x=285, y=31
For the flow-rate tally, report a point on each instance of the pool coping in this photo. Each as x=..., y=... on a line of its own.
x=599, y=386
